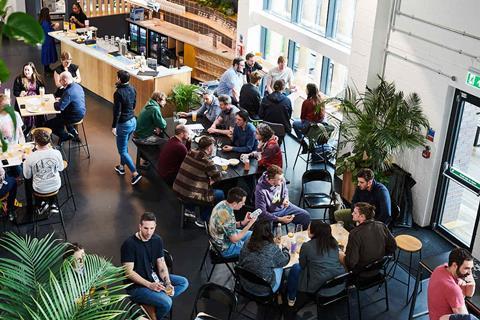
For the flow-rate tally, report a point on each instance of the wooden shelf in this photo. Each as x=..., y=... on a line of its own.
x=208, y=72
x=213, y=24
x=212, y=63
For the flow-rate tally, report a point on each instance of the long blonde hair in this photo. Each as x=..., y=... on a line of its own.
x=35, y=75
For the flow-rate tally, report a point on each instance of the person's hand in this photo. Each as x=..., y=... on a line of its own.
x=56, y=26
x=57, y=99
x=114, y=131
x=286, y=203
x=212, y=130
x=248, y=220
x=286, y=219
x=227, y=148
x=156, y=286
x=182, y=114
x=230, y=134
x=73, y=19
x=23, y=94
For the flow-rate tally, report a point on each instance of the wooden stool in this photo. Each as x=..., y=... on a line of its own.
x=79, y=144
x=408, y=244
x=46, y=197
x=68, y=186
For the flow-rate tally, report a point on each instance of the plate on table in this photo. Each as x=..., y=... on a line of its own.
x=233, y=162
x=34, y=108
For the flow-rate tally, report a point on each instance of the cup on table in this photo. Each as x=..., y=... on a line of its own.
x=291, y=230
x=194, y=116
x=41, y=91
x=87, y=23
x=224, y=166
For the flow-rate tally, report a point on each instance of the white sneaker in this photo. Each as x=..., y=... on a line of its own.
x=291, y=303
x=189, y=213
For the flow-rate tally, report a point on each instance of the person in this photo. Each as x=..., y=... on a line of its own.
x=280, y=72
x=243, y=135
x=232, y=80
x=450, y=284
x=276, y=107
x=150, y=122
x=209, y=109
x=225, y=122
x=268, y=151
x=8, y=185
x=318, y=262
x=142, y=255
x=11, y=132
x=66, y=65
x=72, y=107
x=271, y=196
x=312, y=111
x=370, y=191
x=49, y=51
x=124, y=123
x=223, y=226
x=251, y=65
x=261, y=256
x=458, y=317
x=76, y=253
x=194, y=180
x=77, y=16
x=173, y=153
x=250, y=95
x=369, y=241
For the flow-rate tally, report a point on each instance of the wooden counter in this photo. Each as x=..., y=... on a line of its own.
x=99, y=73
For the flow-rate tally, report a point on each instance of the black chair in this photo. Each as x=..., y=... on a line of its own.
x=79, y=144
x=218, y=301
x=316, y=135
x=279, y=130
x=317, y=200
x=372, y=275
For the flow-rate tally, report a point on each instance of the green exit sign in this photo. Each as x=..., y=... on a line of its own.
x=473, y=79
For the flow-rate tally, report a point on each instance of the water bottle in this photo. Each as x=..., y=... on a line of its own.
x=278, y=234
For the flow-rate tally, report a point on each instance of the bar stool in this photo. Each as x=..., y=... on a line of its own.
x=68, y=186
x=408, y=244
x=51, y=198
x=79, y=143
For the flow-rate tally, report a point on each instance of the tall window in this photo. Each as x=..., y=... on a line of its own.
x=275, y=45
x=307, y=66
x=343, y=22
x=313, y=15
x=339, y=78
x=282, y=8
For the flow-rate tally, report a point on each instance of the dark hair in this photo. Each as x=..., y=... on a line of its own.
x=366, y=209
x=265, y=131
x=44, y=15
x=35, y=75
x=223, y=98
x=262, y=232
x=249, y=55
x=205, y=142
x=41, y=137
x=458, y=255
x=236, y=194
x=148, y=216
x=77, y=4
x=71, y=248
x=273, y=170
x=279, y=85
x=123, y=76
x=366, y=174
x=313, y=93
x=243, y=114
x=237, y=61
x=323, y=233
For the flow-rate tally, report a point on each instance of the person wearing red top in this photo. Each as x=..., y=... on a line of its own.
x=309, y=113
x=450, y=284
x=173, y=154
x=268, y=151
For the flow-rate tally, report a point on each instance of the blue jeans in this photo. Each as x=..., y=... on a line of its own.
x=160, y=300
x=292, y=281
x=9, y=186
x=301, y=215
x=299, y=126
x=124, y=132
x=278, y=279
x=234, y=248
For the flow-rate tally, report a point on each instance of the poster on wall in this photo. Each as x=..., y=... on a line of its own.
x=55, y=6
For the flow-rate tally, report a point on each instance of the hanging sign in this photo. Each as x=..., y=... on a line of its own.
x=473, y=78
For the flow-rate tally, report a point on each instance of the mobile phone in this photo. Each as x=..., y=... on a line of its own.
x=22, y=106
x=255, y=213
x=5, y=162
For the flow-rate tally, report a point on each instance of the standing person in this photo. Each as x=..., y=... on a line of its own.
x=210, y=108
x=312, y=111
x=225, y=122
x=66, y=65
x=124, y=122
x=280, y=72
x=77, y=16
x=268, y=151
x=49, y=51
x=251, y=65
x=243, y=139
x=450, y=284
x=250, y=95
x=277, y=107
x=232, y=80
x=8, y=185
x=151, y=123
x=145, y=267
x=173, y=153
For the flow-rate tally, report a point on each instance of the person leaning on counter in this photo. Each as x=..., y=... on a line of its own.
x=77, y=16
x=66, y=65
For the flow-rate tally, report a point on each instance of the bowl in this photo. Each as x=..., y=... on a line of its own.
x=233, y=162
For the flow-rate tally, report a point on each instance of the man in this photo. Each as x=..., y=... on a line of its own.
x=280, y=72
x=271, y=196
x=151, y=123
x=223, y=226
x=142, y=257
x=232, y=80
x=209, y=109
x=250, y=66
x=370, y=240
x=226, y=120
x=250, y=98
x=450, y=284
x=173, y=153
x=370, y=191
x=72, y=107
x=277, y=107
x=243, y=135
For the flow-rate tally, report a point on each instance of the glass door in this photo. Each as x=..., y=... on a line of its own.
x=457, y=201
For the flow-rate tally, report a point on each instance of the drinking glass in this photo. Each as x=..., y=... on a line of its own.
x=341, y=224
x=219, y=145
x=194, y=116
x=298, y=228
x=42, y=91
x=291, y=230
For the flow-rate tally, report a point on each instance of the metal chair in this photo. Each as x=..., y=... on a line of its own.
x=52, y=198
x=316, y=135
x=218, y=300
x=317, y=200
x=279, y=130
x=79, y=144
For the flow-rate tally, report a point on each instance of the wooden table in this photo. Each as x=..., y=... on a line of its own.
x=35, y=106
x=14, y=155
x=338, y=232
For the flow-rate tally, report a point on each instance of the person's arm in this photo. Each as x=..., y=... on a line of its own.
x=303, y=113
x=391, y=244
x=468, y=286
x=163, y=270
x=249, y=143
x=17, y=87
x=60, y=162
x=158, y=120
x=257, y=66
x=78, y=78
x=56, y=77
x=200, y=111
x=212, y=171
x=237, y=236
x=355, y=198
x=302, y=259
x=261, y=204
x=27, y=168
x=136, y=278
x=352, y=254
x=215, y=123
x=289, y=108
x=117, y=105
x=19, y=131
x=269, y=83
x=280, y=257
x=261, y=110
x=64, y=102
x=385, y=205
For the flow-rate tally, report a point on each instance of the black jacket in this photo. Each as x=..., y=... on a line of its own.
x=124, y=100
x=250, y=99
x=248, y=70
x=277, y=108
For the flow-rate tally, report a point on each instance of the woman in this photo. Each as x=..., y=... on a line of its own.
x=77, y=16
x=312, y=111
x=268, y=151
x=250, y=95
x=66, y=65
x=281, y=72
x=319, y=261
x=124, y=123
x=49, y=51
x=10, y=133
x=263, y=257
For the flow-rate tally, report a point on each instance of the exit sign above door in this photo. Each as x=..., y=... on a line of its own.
x=473, y=79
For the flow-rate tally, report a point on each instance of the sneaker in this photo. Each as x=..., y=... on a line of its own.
x=199, y=223
x=190, y=214
x=120, y=170
x=11, y=216
x=43, y=208
x=54, y=209
x=291, y=302
x=135, y=179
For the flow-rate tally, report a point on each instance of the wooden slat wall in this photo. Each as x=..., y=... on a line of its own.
x=98, y=8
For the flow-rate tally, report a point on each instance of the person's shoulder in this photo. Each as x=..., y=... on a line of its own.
x=156, y=239
x=130, y=241
x=73, y=66
x=59, y=69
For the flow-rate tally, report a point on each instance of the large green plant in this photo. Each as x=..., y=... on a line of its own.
x=185, y=96
x=39, y=284
x=377, y=125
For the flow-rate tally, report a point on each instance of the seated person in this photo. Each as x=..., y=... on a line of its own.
x=223, y=226
x=150, y=122
x=66, y=65
x=209, y=109
x=250, y=95
x=277, y=107
x=8, y=185
x=11, y=133
x=72, y=107
x=262, y=256
x=271, y=196
x=370, y=191
x=312, y=111
x=281, y=72
x=369, y=241
x=195, y=179
x=243, y=135
x=173, y=153
x=319, y=261
x=225, y=122
x=231, y=81
x=268, y=151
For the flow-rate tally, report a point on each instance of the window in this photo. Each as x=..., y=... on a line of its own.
x=313, y=15
x=275, y=45
x=281, y=8
x=343, y=21
x=339, y=78
x=307, y=66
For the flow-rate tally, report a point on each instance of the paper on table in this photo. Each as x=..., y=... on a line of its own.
x=219, y=161
x=195, y=126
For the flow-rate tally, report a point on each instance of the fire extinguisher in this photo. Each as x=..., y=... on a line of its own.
x=240, y=46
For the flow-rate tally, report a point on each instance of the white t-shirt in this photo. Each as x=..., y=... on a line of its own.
x=276, y=74
x=10, y=135
x=43, y=166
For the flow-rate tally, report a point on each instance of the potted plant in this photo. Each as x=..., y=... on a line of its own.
x=185, y=97
x=377, y=125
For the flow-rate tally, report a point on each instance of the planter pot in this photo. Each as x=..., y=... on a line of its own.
x=348, y=187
